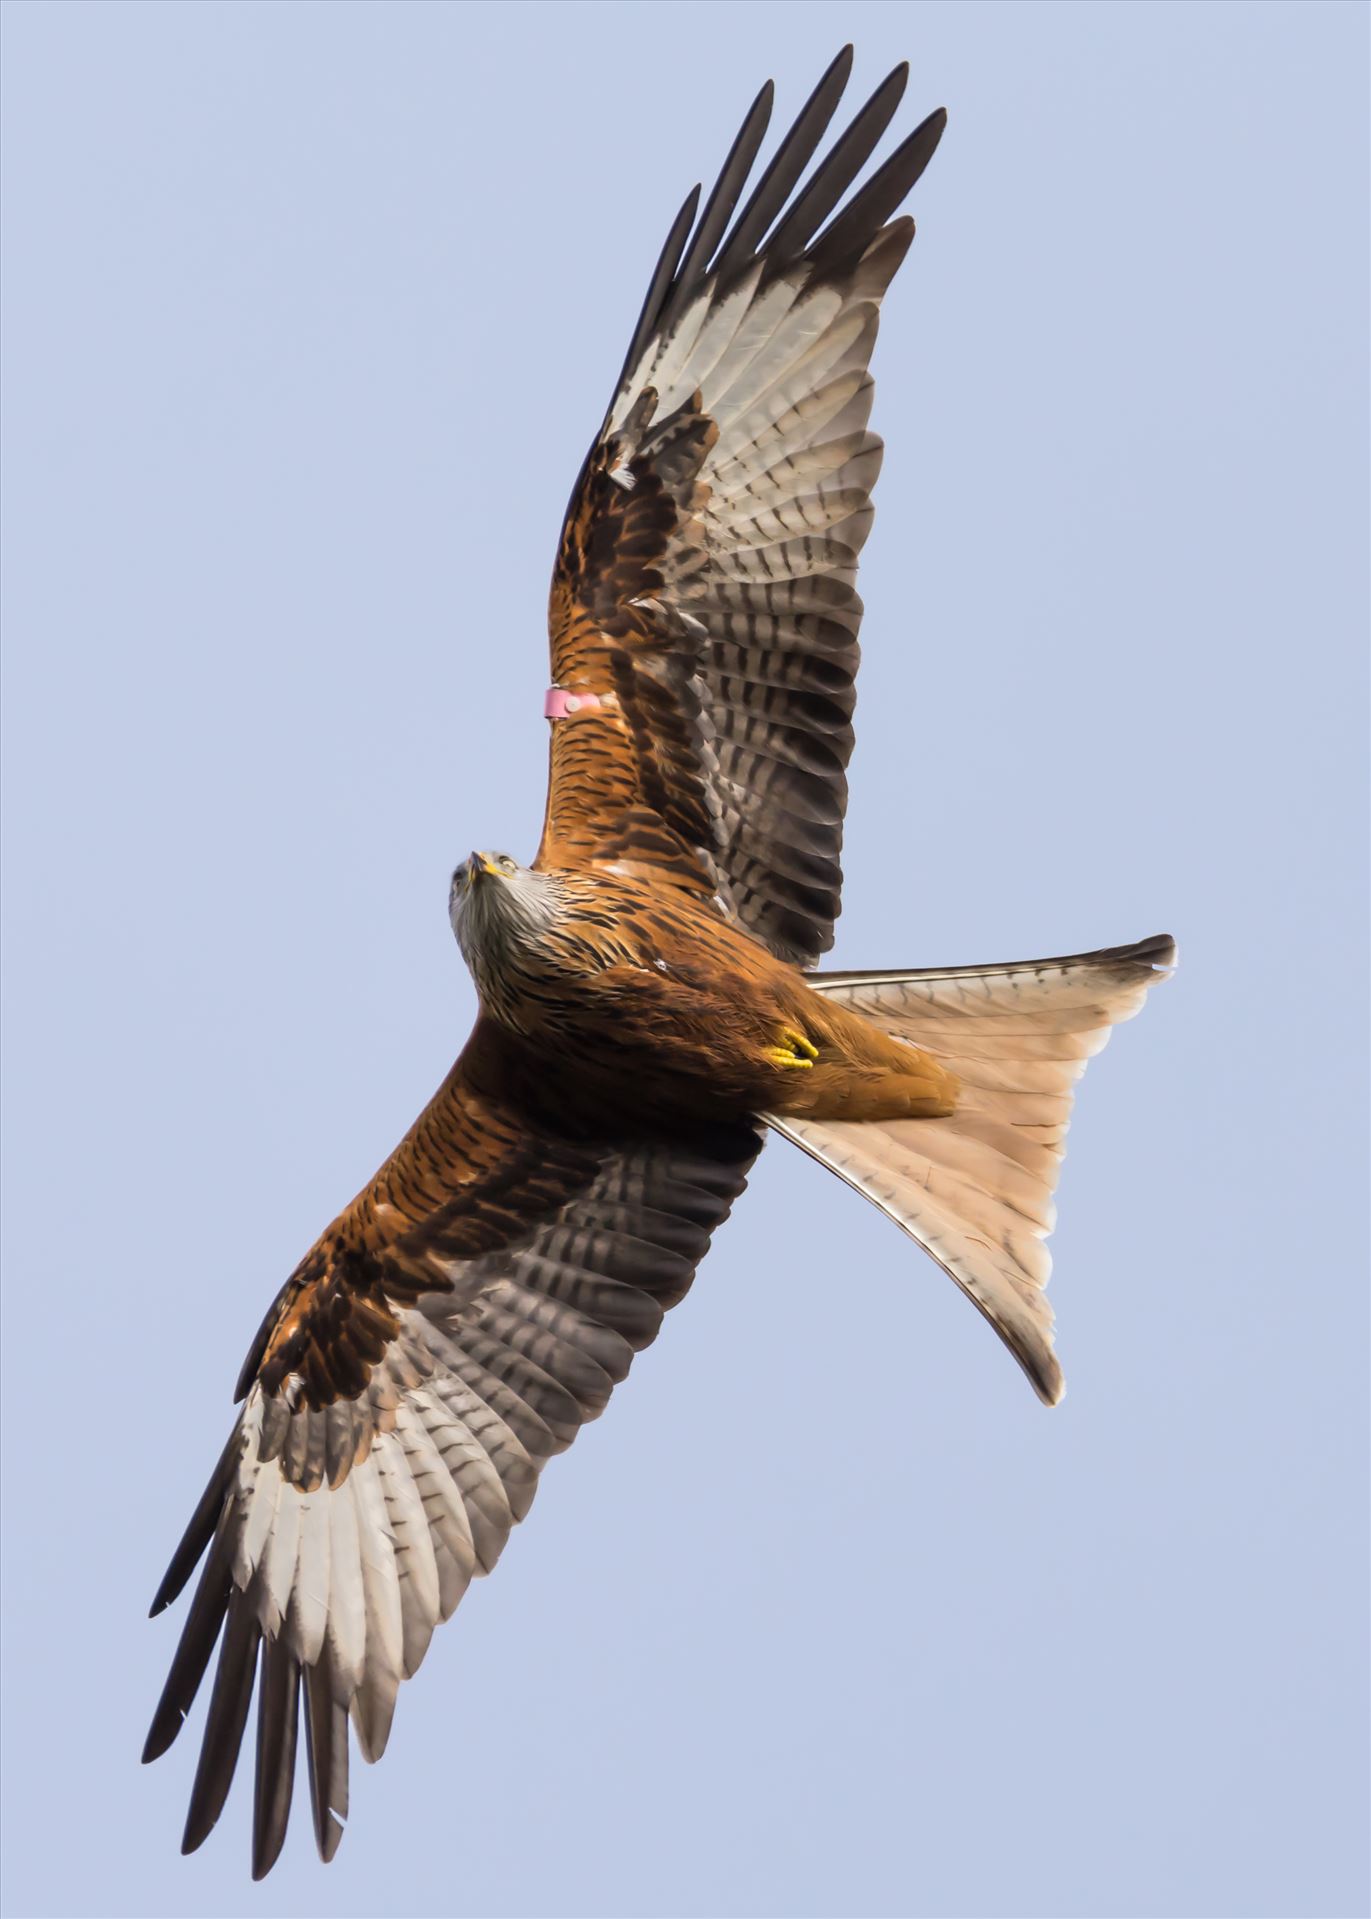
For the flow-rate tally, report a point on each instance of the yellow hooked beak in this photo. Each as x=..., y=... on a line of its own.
x=480, y=863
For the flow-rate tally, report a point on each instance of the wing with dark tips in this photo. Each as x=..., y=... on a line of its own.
x=454, y=1328
x=705, y=584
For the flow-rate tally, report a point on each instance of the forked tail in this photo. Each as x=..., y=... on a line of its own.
x=975, y=1189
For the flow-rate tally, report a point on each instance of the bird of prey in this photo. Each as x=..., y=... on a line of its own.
x=648, y=1004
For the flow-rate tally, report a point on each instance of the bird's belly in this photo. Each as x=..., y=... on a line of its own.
x=660, y=1005
x=661, y=1033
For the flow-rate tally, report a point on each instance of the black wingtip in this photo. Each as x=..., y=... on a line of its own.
x=922, y=144
x=173, y=1579
x=192, y=1841
x=200, y=1530
x=278, y=1708
x=160, y=1737
x=718, y=209
x=224, y=1723
x=913, y=155
x=841, y=165
x=859, y=222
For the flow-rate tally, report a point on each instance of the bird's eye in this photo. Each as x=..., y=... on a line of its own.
x=506, y=864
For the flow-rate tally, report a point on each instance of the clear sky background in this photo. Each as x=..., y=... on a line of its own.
x=310, y=312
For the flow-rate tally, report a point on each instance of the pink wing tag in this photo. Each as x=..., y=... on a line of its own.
x=560, y=705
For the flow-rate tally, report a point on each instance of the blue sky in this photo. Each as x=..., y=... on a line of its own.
x=309, y=315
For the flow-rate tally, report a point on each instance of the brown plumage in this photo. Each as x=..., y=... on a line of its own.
x=644, y=1018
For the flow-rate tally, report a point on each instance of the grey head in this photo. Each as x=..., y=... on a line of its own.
x=499, y=910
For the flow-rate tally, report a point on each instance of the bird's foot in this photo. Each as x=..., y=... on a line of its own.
x=794, y=1049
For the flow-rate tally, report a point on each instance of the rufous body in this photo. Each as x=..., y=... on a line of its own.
x=644, y=986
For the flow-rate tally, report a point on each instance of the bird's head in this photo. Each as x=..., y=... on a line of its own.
x=496, y=904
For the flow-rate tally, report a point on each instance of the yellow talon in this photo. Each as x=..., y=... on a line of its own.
x=794, y=1050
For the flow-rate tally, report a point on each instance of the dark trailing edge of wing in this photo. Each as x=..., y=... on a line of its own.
x=787, y=164
x=719, y=207
x=734, y=671
x=868, y=210
x=848, y=155
x=224, y=1723
x=207, y=1608
x=688, y=259
x=278, y=1719
x=642, y=1216
x=199, y=1531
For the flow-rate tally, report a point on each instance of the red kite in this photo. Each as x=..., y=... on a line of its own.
x=647, y=1011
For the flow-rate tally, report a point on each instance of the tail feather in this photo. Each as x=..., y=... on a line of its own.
x=975, y=1189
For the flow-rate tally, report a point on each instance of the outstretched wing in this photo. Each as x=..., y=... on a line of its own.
x=704, y=588
x=449, y=1332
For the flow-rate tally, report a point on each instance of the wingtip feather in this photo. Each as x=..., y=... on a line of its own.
x=161, y=1735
